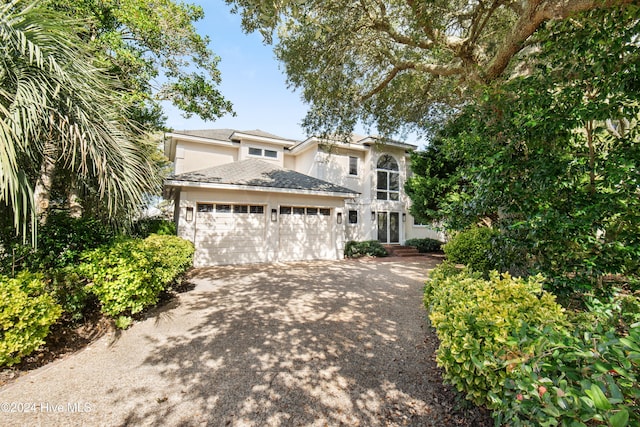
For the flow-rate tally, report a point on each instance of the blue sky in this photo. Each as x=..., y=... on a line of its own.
x=251, y=80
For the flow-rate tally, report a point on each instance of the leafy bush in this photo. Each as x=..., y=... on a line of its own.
x=425, y=245
x=476, y=320
x=26, y=313
x=147, y=226
x=60, y=242
x=509, y=346
x=69, y=288
x=129, y=275
x=353, y=249
x=472, y=247
x=588, y=376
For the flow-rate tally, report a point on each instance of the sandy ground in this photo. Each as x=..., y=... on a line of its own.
x=300, y=344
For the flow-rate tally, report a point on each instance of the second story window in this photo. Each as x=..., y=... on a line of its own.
x=353, y=165
x=272, y=154
x=388, y=179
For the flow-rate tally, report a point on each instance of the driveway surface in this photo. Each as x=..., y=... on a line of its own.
x=313, y=344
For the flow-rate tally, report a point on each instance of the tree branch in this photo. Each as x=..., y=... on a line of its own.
x=531, y=19
x=432, y=69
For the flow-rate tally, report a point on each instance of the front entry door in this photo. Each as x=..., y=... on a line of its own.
x=389, y=227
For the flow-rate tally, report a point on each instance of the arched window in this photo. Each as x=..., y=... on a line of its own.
x=388, y=185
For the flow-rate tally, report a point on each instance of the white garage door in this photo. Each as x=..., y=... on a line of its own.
x=305, y=233
x=229, y=234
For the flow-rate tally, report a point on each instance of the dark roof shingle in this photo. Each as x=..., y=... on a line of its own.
x=258, y=173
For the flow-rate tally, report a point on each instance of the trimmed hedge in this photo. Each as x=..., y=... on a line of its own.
x=129, y=275
x=506, y=344
x=353, y=249
x=472, y=247
x=425, y=245
x=476, y=320
x=26, y=314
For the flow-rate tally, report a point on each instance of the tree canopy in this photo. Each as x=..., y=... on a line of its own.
x=551, y=158
x=399, y=64
x=154, y=49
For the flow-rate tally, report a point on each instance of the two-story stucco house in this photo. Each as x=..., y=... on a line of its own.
x=250, y=196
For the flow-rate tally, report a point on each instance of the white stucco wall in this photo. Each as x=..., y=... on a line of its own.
x=193, y=156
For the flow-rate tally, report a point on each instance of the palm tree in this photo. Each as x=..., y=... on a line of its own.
x=58, y=111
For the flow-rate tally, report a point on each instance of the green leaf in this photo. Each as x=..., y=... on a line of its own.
x=619, y=419
x=632, y=345
x=599, y=399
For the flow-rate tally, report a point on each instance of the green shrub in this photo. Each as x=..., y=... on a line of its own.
x=147, y=226
x=69, y=288
x=26, y=314
x=587, y=376
x=509, y=346
x=476, y=320
x=129, y=275
x=425, y=245
x=353, y=249
x=60, y=242
x=62, y=239
x=472, y=247
x=170, y=256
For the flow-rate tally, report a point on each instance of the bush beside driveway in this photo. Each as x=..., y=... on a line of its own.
x=318, y=343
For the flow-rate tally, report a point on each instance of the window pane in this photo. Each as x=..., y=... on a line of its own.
x=256, y=209
x=382, y=195
x=205, y=207
x=240, y=209
x=393, y=196
x=325, y=211
x=285, y=210
x=394, y=181
x=255, y=151
x=223, y=208
x=353, y=165
x=298, y=211
x=388, y=163
x=271, y=153
x=312, y=211
x=353, y=217
x=382, y=180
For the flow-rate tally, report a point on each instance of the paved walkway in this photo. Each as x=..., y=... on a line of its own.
x=319, y=343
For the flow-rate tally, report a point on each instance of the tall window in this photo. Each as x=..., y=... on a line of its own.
x=353, y=165
x=388, y=179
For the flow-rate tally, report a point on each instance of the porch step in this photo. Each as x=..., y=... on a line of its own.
x=401, y=251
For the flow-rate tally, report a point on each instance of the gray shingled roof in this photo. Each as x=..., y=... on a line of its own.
x=225, y=134
x=258, y=173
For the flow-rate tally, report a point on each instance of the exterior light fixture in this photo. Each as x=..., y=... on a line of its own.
x=189, y=215
x=373, y=216
x=274, y=215
x=339, y=218
x=404, y=217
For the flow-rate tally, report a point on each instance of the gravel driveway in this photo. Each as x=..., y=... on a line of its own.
x=313, y=344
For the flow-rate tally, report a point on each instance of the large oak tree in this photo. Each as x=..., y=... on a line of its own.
x=399, y=63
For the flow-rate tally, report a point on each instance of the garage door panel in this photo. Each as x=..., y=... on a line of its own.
x=230, y=237
x=305, y=236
